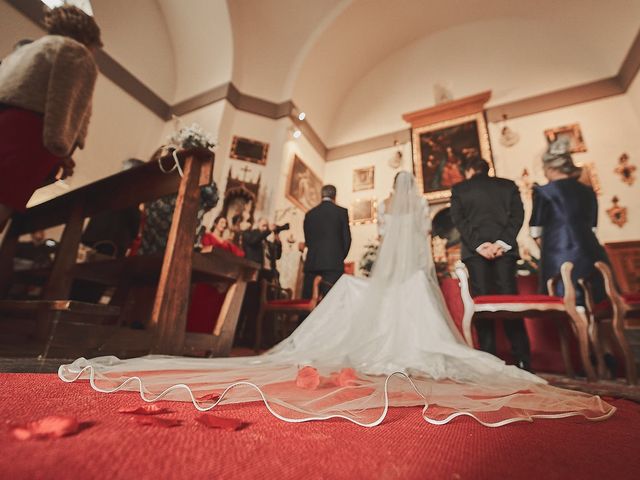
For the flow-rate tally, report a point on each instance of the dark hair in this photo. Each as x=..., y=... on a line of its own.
x=22, y=43
x=70, y=21
x=328, y=191
x=478, y=164
x=217, y=219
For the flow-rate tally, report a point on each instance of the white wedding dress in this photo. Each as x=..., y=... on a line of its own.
x=370, y=344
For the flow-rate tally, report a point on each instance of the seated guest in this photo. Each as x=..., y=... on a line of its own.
x=36, y=253
x=159, y=213
x=207, y=299
x=564, y=220
x=45, y=105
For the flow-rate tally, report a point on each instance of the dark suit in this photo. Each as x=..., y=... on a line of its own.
x=487, y=209
x=255, y=244
x=328, y=239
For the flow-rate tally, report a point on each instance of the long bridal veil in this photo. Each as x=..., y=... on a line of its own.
x=387, y=341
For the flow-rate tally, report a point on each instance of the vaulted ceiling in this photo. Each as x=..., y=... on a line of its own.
x=356, y=65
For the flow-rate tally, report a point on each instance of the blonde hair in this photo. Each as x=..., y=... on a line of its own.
x=70, y=21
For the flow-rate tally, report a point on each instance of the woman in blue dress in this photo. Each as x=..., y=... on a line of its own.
x=564, y=221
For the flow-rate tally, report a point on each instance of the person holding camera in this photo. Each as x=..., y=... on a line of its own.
x=258, y=248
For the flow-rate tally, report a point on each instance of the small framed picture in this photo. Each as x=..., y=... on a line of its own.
x=571, y=133
x=363, y=178
x=249, y=150
x=363, y=210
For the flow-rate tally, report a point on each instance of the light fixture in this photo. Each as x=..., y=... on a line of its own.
x=297, y=133
x=301, y=116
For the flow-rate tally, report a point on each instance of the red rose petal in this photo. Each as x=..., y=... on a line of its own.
x=157, y=422
x=308, y=378
x=145, y=410
x=49, y=427
x=214, y=397
x=229, y=424
x=346, y=377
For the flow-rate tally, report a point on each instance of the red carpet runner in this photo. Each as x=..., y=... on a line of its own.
x=113, y=445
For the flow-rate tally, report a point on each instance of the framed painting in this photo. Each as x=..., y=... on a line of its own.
x=303, y=185
x=249, y=150
x=363, y=210
x=440, y=149
x=571, y=133
x=363, y=178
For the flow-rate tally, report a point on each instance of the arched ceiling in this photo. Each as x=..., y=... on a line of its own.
x=332, y=57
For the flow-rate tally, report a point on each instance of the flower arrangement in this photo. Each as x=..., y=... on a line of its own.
x=192, y=137
x=368, y=258
x=186, y=138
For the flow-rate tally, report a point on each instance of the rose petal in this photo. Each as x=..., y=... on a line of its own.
x=229, y=424
x=157, y=422
x=145, y=410
x=214, y=397
x=346, y=377
x=308, y=378
x=48, y=427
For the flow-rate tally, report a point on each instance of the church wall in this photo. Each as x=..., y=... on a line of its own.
x=609, y=128
x=633, y=94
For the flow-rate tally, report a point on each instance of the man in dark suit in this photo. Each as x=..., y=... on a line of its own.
x=328, y=239
x=259, y=249
x=488, y=213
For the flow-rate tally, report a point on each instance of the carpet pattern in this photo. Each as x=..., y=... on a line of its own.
x=114, y=445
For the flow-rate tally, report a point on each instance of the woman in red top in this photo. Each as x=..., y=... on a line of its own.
x=207, y=298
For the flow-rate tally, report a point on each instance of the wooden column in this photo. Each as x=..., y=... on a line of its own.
x=172, y=297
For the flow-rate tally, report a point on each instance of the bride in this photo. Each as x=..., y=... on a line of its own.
x=387, y=341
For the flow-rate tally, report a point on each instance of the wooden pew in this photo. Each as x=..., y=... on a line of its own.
x=172, y=271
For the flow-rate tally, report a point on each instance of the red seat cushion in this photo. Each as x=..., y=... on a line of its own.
x=516, y=299
x=297, y=302
x=631, y=298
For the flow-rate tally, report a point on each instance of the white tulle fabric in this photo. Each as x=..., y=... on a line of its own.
x=388, y=341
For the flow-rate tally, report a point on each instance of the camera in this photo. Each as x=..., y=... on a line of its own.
x=281, y=228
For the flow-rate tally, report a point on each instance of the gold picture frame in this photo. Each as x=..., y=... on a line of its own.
x=572, y=133
x=303, y=185
x=363, y=211
x=439, y=150
x=363, y=178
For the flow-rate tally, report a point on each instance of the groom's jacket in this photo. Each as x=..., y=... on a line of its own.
x=486, y=209
x=327, y=236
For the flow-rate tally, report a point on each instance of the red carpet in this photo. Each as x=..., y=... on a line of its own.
x=113, y=445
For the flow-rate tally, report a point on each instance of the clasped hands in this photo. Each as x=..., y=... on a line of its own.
x=490, y=250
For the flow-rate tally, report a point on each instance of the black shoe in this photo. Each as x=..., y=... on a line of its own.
x=611, y=364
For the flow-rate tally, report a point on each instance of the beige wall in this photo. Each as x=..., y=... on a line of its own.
x=610, y=127
x=633, y=94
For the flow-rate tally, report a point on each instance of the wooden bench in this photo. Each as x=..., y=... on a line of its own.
x=173, y=272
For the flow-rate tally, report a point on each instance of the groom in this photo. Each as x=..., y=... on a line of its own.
x=328, y=239
x=488, y=213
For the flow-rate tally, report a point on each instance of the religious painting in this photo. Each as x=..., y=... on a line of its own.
x=249, y=150
x=363, y=210
x=363, y=178
x=303, y=186
x=440, y=150
x=570, y=133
